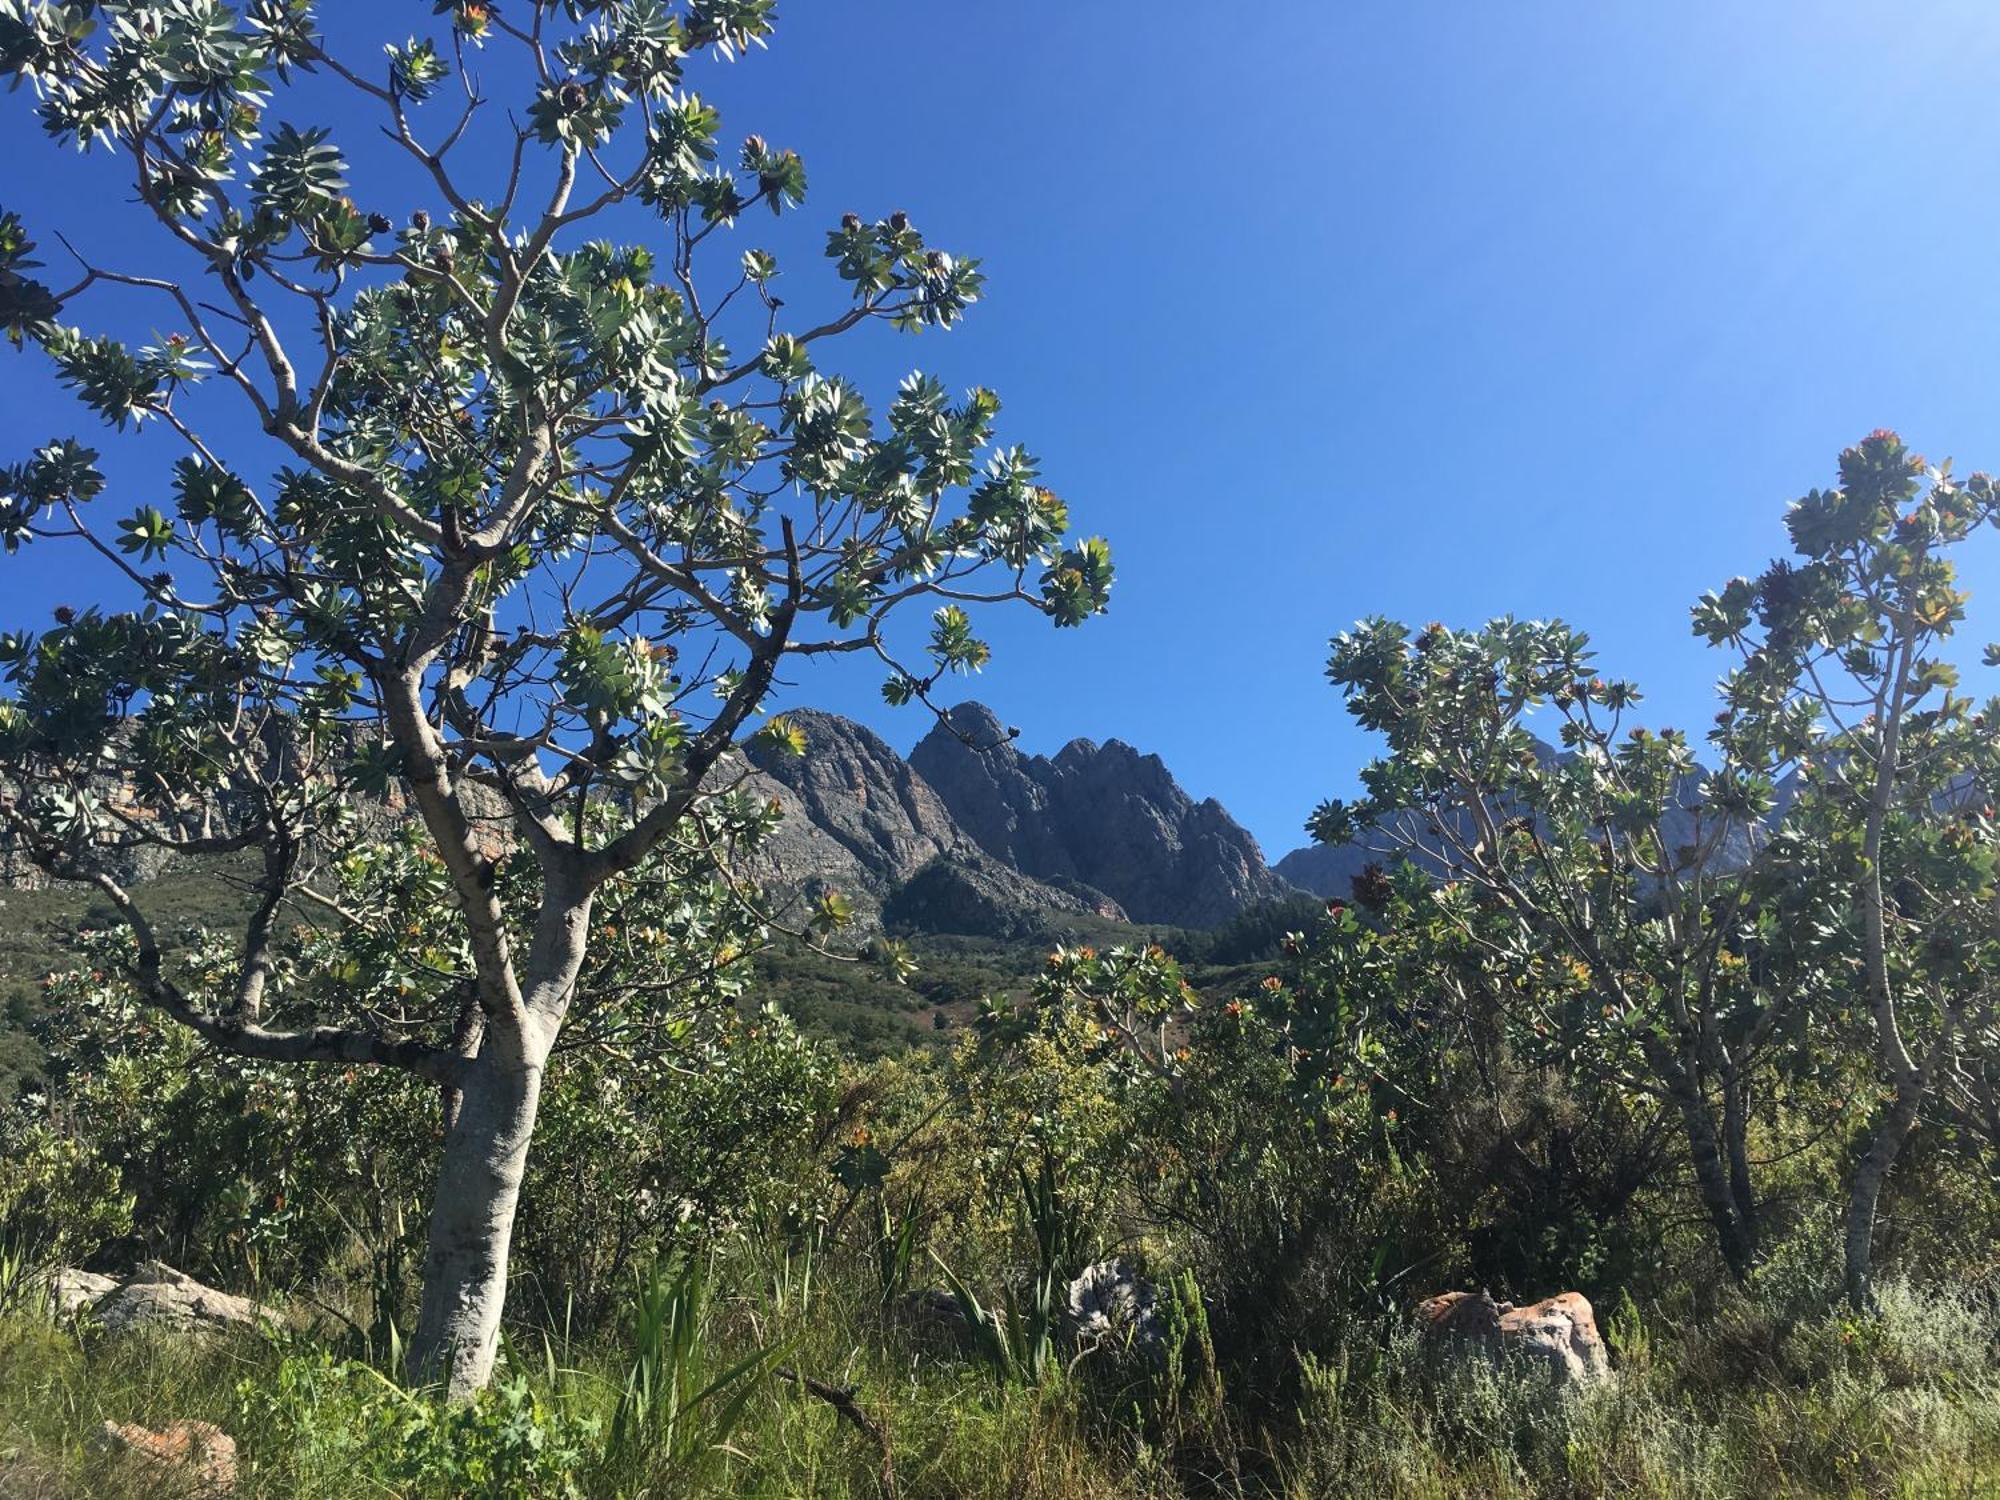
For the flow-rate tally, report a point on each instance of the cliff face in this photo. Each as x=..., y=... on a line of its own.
x=859, y=819
x=1103, y=815
x=857, y=794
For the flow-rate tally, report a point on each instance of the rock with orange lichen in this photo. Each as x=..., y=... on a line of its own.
x=1558, y=1333
x=196, y=1457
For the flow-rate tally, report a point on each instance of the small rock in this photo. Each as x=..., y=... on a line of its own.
x=1558, y=1333
x=935, y=1320
x=199, y=1451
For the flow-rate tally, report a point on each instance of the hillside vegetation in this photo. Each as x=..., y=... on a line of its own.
x=480, y=1039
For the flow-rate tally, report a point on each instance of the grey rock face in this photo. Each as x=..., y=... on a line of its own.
x=71, y=1291
x=1107, y=816
x=1329, y=870
x=160, y=1297
x=859, y=819
x=977, y=896
x=1111, y=1306
x=864, y=797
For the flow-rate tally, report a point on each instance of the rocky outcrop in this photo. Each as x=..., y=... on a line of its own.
x=857, y=818
x=1110, y=1306
x=71, y=1291
x=159, y=1297
x=979, y=897
x=861, y=795
x=1557, y=1335
x=1104, y=816
x=1328, y=870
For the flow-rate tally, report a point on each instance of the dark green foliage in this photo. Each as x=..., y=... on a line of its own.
x=1254, y=935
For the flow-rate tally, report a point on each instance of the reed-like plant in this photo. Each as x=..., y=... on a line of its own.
x=674, y=1416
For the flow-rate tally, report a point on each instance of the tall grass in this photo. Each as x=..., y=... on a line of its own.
x=682, y=1400
x=674, y=1413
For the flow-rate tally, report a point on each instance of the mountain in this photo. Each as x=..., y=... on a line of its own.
x=1104, y=816
x=970, y=835
x=860, y=800
x=1329, y=869
x=858, y=819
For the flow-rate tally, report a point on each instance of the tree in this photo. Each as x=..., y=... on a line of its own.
x=538, y=542
x=1532, y=1162
x=1605, y=887
x=1890, y=840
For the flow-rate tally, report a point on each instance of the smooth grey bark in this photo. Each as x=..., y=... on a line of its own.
x=1866, y=1192
x=486, y=1151
x=472, y=1222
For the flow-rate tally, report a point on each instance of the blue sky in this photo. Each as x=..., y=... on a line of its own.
x=1320, y=310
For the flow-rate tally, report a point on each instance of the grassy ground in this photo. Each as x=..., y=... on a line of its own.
x=1905, y=1405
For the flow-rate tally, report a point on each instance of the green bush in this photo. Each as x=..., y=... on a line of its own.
x=59, y=1201
x=328, y=1426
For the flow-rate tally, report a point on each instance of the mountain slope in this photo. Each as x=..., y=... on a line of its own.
x=858, y=819
x=1103, y=815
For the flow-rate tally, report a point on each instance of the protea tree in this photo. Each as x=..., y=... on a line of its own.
x=1890, y=842
x=478, y=508
x=1600, y=896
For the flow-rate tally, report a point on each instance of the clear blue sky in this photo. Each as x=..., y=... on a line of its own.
x=1319, y=310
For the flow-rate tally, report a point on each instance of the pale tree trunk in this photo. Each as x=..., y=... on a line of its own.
x=486, y=1155
x=472, y=1223
x=1866, y=1192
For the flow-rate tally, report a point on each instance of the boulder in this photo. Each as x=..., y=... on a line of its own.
x=189, y=1457
x=1558, y=1334
x=934, y=1321
x=71, y=1291
x=1111, y=1306
x=158, y=1296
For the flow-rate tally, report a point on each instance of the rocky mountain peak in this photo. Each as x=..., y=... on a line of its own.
x=852, y=788
x=1108, y=816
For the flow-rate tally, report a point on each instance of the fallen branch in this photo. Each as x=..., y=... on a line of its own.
x=841, y=1399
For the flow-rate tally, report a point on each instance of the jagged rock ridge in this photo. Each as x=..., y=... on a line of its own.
x=1102, y=815
x=858, y=819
